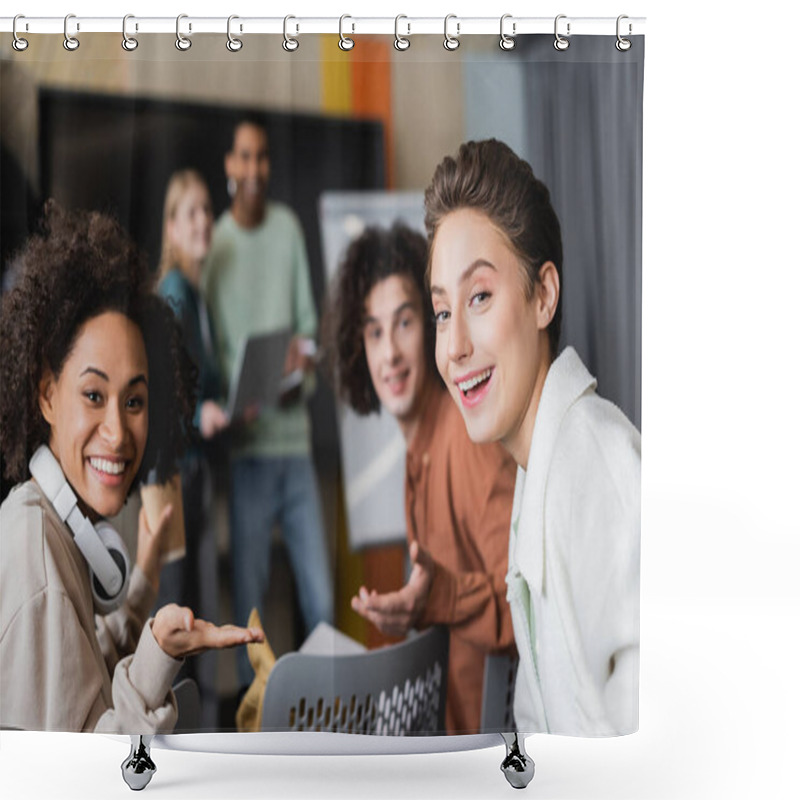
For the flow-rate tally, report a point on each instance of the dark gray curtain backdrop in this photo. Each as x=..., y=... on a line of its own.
x=583, y=130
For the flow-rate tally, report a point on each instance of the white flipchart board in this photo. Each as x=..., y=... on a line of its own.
x=372, y=448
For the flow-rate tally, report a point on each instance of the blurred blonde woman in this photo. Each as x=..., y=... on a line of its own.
x=186, y=238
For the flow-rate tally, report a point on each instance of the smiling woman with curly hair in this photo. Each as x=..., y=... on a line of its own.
x=95, y=391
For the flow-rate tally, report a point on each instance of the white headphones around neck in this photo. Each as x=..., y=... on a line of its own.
x=100, y=544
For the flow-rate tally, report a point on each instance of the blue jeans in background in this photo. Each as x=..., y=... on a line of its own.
x=282, y=490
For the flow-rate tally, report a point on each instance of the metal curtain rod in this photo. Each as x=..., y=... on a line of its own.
x=407, y=26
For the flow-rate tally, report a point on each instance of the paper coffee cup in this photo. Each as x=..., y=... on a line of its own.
x=155, y=496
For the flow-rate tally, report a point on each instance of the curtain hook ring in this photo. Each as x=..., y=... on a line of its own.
x=182, y=42
x=129, y=43
x=622, y=44
x=70, y=42
x=560, y=43
x=451, y=42
x=507, y=42
x=19, y=44
x=345, y=42
x=290, y=43
x=401, y=42
x=233, y=44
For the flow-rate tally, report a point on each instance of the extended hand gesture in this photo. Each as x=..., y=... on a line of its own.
x=299, y=355
x=179, y=634
x=213, y=419
x=395, y=613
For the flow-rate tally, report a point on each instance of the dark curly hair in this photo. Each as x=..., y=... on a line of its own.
x=374, y=256
x=83, y=264
x=489, y=176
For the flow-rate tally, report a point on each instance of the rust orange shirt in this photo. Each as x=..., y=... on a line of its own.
x=458, y=507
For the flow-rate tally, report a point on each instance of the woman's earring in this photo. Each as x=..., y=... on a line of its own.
x=231, y=188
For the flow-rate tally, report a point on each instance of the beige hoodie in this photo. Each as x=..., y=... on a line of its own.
x=57, y=658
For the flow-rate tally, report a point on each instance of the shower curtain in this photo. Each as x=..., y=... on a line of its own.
x=353, y=141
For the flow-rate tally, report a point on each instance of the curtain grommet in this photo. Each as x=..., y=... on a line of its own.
x=233, y=44
x=181, y=42
x=345, y=42
x=290, y=43
x=129, y=43
x=560, y=42
x=451, y=43
x=507, y=42
x=622, y=44
x=401, y=43
x=71, y=43
x=18, y=43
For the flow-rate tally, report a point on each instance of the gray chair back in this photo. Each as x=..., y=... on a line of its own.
x=398, y=690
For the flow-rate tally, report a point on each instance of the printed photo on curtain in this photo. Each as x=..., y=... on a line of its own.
x=320, y=386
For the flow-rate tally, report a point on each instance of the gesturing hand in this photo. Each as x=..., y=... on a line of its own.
x=213, y=419
x=299, y=355
x=179, y=634
x=395, y=613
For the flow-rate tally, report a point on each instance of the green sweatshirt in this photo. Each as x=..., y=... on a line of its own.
x=257, y=281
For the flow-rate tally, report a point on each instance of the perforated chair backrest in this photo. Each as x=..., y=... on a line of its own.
x=398, y=690
x=497, y=707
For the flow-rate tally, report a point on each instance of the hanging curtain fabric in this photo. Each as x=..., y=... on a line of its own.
x=355, y=321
